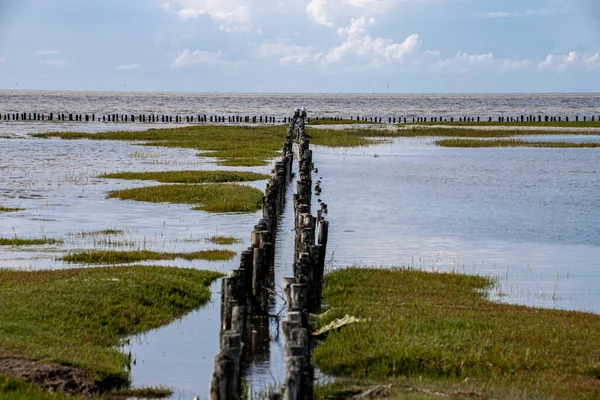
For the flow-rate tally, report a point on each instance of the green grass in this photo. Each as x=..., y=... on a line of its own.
x=28, y=242
x=190, y=176
x=218, y=197
x=14, y=389
x=103, y=232
x=561, y=124
x=511, y=143
x=364, y=137
x=125, y=257
x=223, y=240
x=232, y=145
x=342, y=121
x=433, y=332
x=78, y=317
x=8, y=209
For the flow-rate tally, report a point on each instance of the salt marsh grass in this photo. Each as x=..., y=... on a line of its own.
x=190, y=177
x=28, y=242
x=78, y=317
x=124, y=257
x=232, y=145
x=207, y=197
x=437, y=332
x=513, y=143
x=8, y=209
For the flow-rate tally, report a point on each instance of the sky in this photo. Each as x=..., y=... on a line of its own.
x=301, y=46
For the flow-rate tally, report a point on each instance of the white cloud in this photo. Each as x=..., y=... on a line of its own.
x=323, y=11
x=563, y=62
x=188, y=57
x=127, y=67
x=520, y=14
x=228, y=12
x=357, y=43
x=54, y=63
x=281, y=48
x=463, y=62
x=48, y=52
x=3, y=60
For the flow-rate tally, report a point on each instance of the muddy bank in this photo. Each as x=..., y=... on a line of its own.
x=50, y=377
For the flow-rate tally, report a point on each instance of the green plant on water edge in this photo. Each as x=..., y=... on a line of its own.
x=435, y=332
x=216, y=197
x=475, y=143
x=231, y=145
x=223, y=240
x=107, y=257
x=28, y=242
x=16, y=389
x=78, y=317
x=549, y=124
x=190, y=177
x=8, y=209
x=342, y=121
x=103, y=232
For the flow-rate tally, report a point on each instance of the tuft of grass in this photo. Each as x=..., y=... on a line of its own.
x=190, y=176
x=126, y=257
x=341, y=121
x=28, y=242
x=558, y=124
x=223, y=240
x=78, y=317
x=232, y=145
x=8, y=209
x=103, y=232
x=436, y=332
x=219, y=197
x=144, y=393
x=15, y=389
x=512, y=143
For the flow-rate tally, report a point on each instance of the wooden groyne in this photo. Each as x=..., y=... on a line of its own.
x=154, y=118
x=303, y=292
x=141, y=118
x=246, y=291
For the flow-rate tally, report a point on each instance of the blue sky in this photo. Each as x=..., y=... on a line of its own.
x=333, y=46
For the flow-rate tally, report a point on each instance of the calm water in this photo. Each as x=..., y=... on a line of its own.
x=530, y=217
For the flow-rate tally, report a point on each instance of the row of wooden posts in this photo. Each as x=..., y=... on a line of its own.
x=303, y=292
x=245, y=292
x=142, y=118
x=264, y=119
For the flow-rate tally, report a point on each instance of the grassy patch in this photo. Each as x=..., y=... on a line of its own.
x=223, y=240
x=28, y=242
x=78, y=317
x=7, y=209
x=364, y=137
x=437, y=332
x=190, y=176
x=559, y=124
x=342, y=121
x=511, y=143
x=125, y=257
x=14, y=389
x=232, y=145
x=103, y=232
x=218, y=197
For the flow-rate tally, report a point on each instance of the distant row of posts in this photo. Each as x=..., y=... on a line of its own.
x=265, y=119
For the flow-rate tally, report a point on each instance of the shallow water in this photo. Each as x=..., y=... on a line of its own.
x=530, y=217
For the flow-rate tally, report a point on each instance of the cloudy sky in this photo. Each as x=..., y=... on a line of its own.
x=370, y=46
